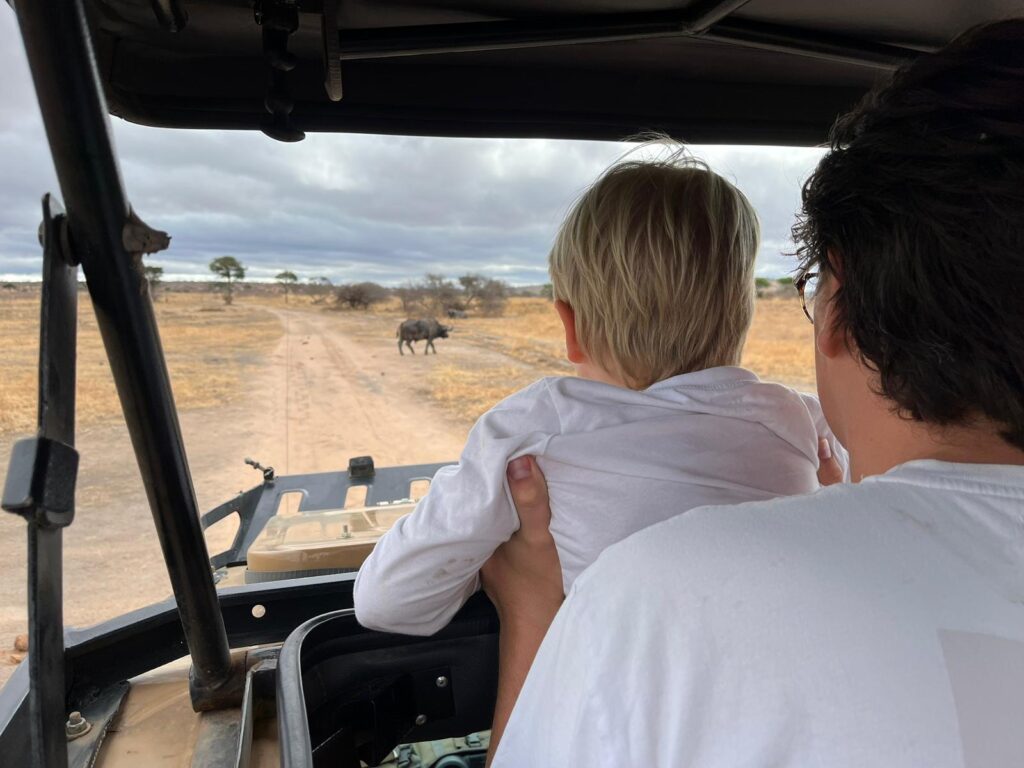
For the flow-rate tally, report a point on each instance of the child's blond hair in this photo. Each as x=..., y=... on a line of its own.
x=657, y=261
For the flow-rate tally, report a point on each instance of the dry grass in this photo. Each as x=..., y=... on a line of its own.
x=522, y=346
x=209, y=348
x=780, y=344
x=467, y=393
x=530, y=332
x=779, y=348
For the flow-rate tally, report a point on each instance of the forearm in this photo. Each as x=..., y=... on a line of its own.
x=414, y=584
x=425, y=568
x=517, y=646
x=524, y=581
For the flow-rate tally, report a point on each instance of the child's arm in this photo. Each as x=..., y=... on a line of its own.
x=425, y=568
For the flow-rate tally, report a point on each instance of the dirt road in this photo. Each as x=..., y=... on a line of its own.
x=334, y=386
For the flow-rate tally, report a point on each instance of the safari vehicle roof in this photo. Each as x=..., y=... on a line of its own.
x=731, y=71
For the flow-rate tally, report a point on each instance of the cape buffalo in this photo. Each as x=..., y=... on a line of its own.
x=418, y=330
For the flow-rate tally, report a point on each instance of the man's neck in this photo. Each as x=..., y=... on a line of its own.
x=878, y=445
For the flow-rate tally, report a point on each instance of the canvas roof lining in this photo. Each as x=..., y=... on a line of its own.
x=212, y=74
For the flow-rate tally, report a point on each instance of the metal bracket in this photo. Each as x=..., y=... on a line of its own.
x=138, y=237
x=99, y=712
x=40, y=482
x=405, y=703
x=207, y=697
x=268, y=472
x=53, y=231
x=279, y=19
x=332, y=49
x=225, y=736
x=360, y=467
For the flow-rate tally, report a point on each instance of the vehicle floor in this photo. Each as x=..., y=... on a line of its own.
x=333, y=387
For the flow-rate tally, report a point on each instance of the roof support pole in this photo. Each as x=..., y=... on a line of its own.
x=40, y=487
x=108, y=241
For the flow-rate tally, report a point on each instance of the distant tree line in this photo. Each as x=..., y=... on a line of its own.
x=434, y=295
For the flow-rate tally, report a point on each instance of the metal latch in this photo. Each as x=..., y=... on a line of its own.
x=40, y=482
x=361, y=467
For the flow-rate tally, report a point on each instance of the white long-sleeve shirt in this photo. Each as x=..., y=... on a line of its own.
x=615, y=460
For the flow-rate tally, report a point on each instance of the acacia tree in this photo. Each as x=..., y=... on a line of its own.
x=359, y=295
x=228, y=270
x=411, y=295
x=471, y=285
x=442, y=293
x=492, y=296
x=321, y=287
x=484, y=293
x=153, y=276
x=287, y=279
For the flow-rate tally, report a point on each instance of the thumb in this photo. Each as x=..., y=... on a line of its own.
x=829, y=471
x=530, y=495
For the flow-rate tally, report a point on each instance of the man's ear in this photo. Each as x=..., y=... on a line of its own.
x=829, y=335
x=573, y=350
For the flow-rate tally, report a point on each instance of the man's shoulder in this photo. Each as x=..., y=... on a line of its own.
x=710, y=548
x=894, y=528
x=784, y=515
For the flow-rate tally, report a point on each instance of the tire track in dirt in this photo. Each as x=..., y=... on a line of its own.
x=349, y=394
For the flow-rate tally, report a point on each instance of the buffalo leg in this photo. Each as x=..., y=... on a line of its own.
x=400, y=348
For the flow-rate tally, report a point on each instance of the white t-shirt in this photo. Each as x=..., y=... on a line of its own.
x=615, y=461
x=878, y=624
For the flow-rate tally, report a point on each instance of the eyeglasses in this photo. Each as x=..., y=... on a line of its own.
x=807, y=287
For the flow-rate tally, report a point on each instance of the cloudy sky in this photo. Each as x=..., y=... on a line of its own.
x=348, y=207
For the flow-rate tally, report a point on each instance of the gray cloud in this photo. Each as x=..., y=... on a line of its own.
x=349, y=207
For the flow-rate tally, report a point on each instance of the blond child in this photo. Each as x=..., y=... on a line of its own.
x=653, y=278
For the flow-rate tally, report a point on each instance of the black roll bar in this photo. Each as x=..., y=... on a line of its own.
x=109, y=242
x=40, y=487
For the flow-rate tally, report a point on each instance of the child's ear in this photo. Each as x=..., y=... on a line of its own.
x=573, y=350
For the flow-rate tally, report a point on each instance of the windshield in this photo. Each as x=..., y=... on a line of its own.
x=290, y=269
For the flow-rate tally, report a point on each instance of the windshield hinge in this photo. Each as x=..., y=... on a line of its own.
x=279, y=19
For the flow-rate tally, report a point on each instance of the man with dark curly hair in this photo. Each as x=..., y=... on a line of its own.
x=874, y=623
